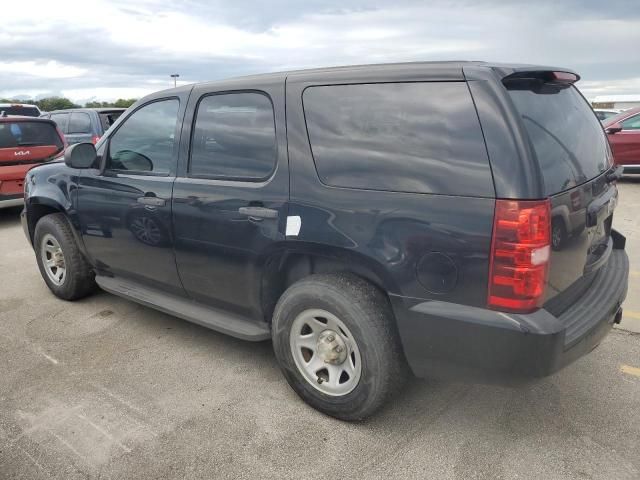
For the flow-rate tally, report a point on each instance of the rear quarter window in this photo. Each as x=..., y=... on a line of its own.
x=79, y=122
x=108, y=118
x=406, y=137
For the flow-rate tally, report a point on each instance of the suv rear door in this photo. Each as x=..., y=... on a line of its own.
x=230, y=198
x=567, y=144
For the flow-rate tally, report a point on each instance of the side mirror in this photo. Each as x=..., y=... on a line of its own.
x=615, y=128
x=80, y=155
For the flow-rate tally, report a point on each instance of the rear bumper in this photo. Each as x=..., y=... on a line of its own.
x=631, y=168
x=453, y=341
x=12, y=184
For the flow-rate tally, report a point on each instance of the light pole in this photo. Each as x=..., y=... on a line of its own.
x=175, y=77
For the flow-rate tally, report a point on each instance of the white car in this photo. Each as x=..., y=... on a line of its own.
x=23, y=109
x=604, y=113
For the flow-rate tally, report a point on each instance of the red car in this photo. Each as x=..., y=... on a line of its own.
x=24, y=142
x=623, y=131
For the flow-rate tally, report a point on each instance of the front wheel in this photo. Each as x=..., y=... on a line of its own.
x=335, y=339
x=61, y=263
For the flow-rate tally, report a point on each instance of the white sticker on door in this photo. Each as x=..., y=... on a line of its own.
x=293, y=226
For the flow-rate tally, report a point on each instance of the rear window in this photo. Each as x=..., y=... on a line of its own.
x=405, y=137
x=568, y=141
x=28, y=134
x=19, y=110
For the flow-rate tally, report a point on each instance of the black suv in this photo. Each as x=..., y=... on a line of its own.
x=447, y=219
x=84, y=124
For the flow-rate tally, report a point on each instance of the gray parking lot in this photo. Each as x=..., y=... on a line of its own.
x=104, y=388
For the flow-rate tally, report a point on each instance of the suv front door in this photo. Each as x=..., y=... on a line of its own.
x=125, y=208
x=230, y=198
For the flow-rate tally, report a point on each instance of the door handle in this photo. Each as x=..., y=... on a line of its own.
x=258, y=213
x=152, y=201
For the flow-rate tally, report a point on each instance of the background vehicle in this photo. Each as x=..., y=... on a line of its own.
x=24, y=142
x=603, y=113
x=369, y=220
x=84, y=124
x=623, y=132
x=22, y=109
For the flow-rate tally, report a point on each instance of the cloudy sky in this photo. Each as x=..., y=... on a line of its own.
x=106, y=49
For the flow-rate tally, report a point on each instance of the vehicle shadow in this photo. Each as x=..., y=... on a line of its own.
x=629, y=179
x=9, y=216
x=476, y=427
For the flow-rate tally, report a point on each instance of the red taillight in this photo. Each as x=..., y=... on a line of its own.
x=95, y=139
x=520, y=250
x=565, y=77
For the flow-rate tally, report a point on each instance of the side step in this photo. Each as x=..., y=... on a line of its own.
x=219, y=320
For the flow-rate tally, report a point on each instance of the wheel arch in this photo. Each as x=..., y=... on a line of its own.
x=39, y=207
x=289, y=264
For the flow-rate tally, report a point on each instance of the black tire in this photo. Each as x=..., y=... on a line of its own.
x=367, y=314
x=79, y=279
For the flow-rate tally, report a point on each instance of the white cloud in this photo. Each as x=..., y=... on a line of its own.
x=627, y=86
x=124, y=48
x=50, y=69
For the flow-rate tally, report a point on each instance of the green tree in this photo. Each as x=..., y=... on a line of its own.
x=55, y=103
x=98, y=104
x=125, y=102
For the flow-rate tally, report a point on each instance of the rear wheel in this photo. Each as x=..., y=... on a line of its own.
x=62, y=265
x=335, y=339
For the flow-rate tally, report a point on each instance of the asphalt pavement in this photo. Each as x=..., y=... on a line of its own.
x=104, y=388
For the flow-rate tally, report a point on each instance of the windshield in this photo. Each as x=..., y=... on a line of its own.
x=621, y=116
x=567, y=138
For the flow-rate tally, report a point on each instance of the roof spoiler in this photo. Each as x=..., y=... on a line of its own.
x=538, y=79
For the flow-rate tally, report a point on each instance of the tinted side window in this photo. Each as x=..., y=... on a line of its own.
x=79, y=122
x=108, y=118
x=632, y=123
x=61, y=120
x=145, y=142
x=406, y=137
x=234, y=137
